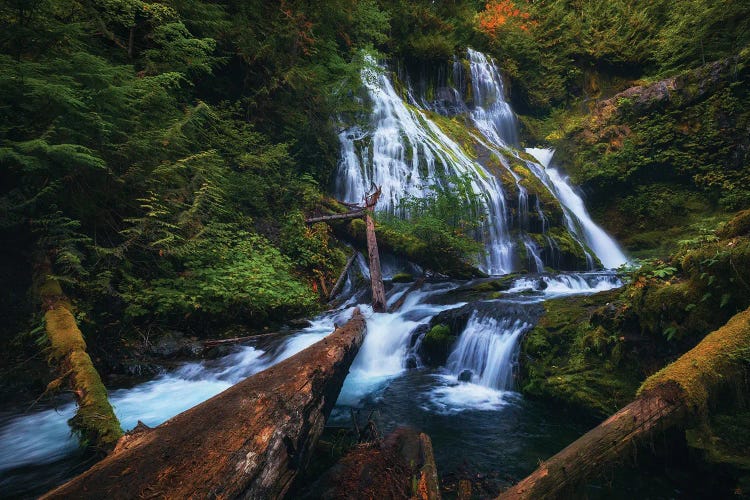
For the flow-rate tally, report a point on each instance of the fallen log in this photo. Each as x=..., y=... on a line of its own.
x=672, y=397
x=94, y=421
x=327, y=218
x=249, y=441
x=342, y=276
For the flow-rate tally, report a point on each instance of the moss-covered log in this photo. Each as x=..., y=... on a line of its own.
x=671, y=397
x=249, y=441
x=95, y=421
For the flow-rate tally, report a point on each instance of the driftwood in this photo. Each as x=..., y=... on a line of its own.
x=342, y=276
x=668, y=399
x=249, y=441
x=358, y=214
x=376, y=277
x=95, y=420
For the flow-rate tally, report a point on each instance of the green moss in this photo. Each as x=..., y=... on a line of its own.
x=568, y=359
x=402, y=278
x=95, y=420
x=436, y=344
x=724, y=439
x=718, y=358
x=739, y=225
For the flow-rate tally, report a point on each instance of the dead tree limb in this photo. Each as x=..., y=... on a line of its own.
x=668, y=399
x=327, y=218
x=249, y=441
x=95, y=420
x=342, y=276
x=376, y=276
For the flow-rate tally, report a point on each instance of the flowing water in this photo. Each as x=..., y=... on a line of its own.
x=469, y=407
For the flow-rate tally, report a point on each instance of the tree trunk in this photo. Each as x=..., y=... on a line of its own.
x=249, y=441
x=342, y=276
x=325, y=218
x=95, y=420
x=669, y=398
x=376, y=278
x=400, y=467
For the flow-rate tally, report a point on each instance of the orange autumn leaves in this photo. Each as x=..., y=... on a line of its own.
x=503, y=14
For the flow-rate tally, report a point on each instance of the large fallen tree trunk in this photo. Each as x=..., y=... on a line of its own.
x=672, y=397
x=249, y=441
x=94, y=421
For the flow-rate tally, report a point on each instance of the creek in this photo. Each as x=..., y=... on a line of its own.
x=469, y=406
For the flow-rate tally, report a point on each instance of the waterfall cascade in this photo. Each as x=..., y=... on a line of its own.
x=405, y=148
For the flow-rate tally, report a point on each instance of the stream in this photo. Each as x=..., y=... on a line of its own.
x=481, y=425
x=469, y=406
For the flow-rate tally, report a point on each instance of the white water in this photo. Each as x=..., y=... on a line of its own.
x=605, y=248
x=485, y=348
x=491, y=113
x=405, y=152
x=567, y=284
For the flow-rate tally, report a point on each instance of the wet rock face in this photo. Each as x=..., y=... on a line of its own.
x=174, y=344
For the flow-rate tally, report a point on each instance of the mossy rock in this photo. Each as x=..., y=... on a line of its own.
x=568, y=360
x=436, y=345
x=402, y=278
x=739, y=225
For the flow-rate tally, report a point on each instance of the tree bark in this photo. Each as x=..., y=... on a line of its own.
x=95, y=420
x=342, y=276
x=671, y=397
x=400, y=467
x=376, y=277
x=249, y=441
x=325, y=218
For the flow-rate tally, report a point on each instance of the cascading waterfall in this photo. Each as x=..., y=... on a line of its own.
x=605, y=248
x=404, y=151
x=484, y=353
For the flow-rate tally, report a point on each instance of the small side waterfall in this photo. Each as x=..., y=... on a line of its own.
x=605, y=248
x=485, y=352
x=490, y=112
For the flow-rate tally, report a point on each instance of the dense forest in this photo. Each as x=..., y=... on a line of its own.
x=159, y=161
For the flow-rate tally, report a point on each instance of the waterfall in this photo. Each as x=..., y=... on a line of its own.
x=605, y=248
x=485, y=350
x=491, y=113
x=402, y=148
x=404, y=152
